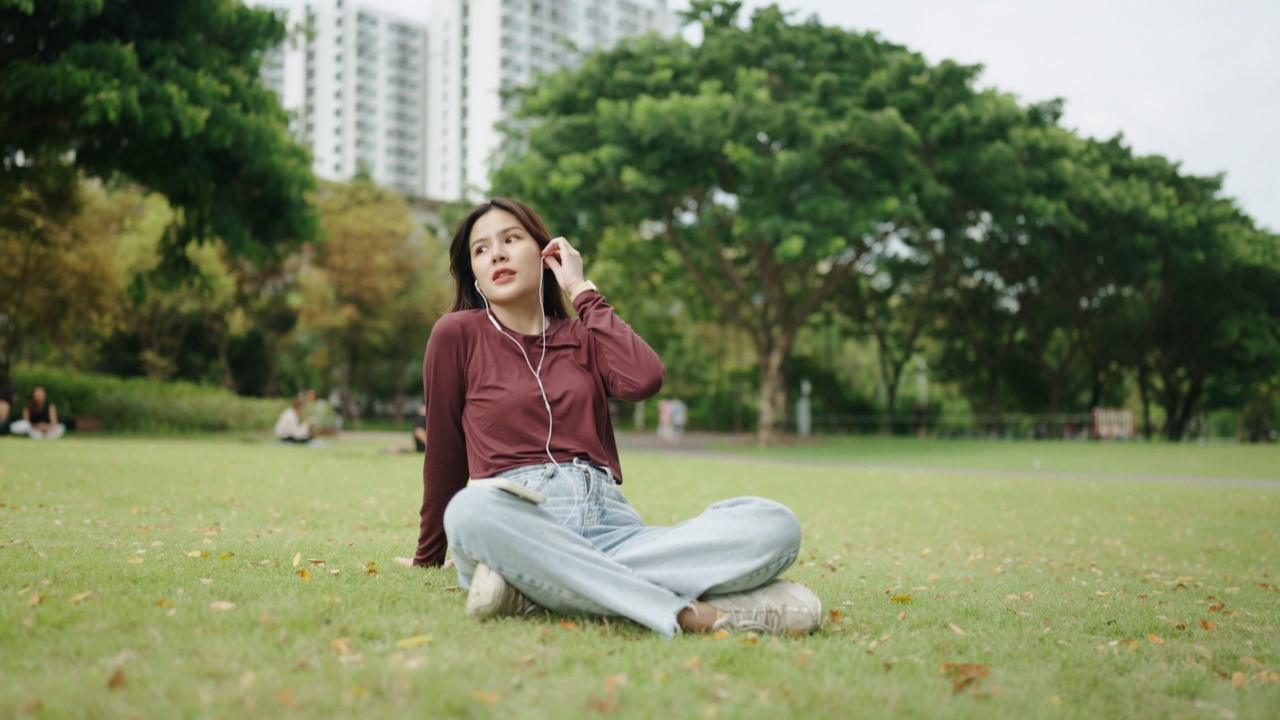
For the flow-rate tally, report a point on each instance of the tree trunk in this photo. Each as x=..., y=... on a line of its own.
x=770, y=391
x=1144, y=393
x=228, y=375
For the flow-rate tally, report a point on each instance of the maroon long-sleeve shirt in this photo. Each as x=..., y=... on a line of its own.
x=485, y=412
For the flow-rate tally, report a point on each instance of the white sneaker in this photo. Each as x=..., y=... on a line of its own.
x=781, y=606
x=491, y=596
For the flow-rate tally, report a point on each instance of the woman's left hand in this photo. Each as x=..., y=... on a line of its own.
x=565, y=263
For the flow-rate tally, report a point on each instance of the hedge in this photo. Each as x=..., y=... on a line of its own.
x=138, y=404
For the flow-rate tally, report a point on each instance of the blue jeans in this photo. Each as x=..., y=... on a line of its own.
x=586, y=551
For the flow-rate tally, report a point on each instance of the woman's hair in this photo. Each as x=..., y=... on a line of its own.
x=31, y=402
x=465, y=294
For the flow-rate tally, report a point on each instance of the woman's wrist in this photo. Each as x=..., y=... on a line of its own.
x=580, y=287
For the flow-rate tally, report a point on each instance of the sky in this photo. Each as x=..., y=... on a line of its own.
x=1197, y=81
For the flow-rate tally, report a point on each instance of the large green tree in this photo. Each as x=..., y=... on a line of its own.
x=165, y=94
x=766, y=158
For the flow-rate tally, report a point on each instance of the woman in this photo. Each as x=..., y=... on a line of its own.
x=515, y=389
x=39, y=418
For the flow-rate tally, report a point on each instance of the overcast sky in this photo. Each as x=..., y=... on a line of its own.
x=1197, y=81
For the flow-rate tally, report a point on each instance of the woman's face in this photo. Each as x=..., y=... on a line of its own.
x=505, y=259
x=38, y=395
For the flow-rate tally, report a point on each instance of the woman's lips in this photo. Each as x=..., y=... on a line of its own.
x=503, y=276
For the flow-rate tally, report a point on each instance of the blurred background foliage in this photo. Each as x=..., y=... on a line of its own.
x=778, y=204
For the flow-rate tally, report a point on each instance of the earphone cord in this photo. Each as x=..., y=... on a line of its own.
x=537, y=375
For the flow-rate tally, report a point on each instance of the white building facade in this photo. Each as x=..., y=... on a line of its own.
x=478, y=48
x=355, y=83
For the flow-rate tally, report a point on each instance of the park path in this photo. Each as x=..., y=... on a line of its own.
x=719, y=446
x=712, y=446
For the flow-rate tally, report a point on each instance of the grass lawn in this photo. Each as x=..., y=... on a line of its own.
x=222, y=578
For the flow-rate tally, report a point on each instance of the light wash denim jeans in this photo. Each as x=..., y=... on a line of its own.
x=586, y=551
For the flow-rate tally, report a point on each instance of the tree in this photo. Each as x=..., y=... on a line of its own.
x=165, y=94
x=352, y=280
x=766, y=158
x=57, y=266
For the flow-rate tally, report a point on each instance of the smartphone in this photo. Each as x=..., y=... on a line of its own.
x=514, y=488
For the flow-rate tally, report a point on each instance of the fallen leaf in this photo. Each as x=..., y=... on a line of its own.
x=1203, y=651
x=568, y=625
x=1209, y=625
x=415, y=641
x=197, y=554
x=161, y=603
x=371, y=568
x=1239, y=679
x=613, y=682
x=721, y=634
x=902, y=616
x=692, y=663
x=1217, y=607
x=206, y=581
x=305, y=574
x=221, y=605
x=1270, y=676
x=316, y=561
x=604, y=705
x=286, y=698
x=901, y=598
x=297, y=559
x=1155, y=639
x=748, y=640
x=340, y=646
x=79, y=597
x=35, y=599
x=487, y=698
x=135, y=561
x=116, y=680
x=956, y=629
x=964, y=674
x=836, y=617
x=226, y=555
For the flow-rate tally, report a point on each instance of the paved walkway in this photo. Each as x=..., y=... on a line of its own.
x=720, y=447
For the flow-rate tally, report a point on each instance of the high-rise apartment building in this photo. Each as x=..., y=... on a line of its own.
x=354, y=79
x=480, y=47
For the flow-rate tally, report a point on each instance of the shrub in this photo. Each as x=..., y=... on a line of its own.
x=137, y=404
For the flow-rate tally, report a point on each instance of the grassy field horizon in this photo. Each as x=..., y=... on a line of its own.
x=216, y=577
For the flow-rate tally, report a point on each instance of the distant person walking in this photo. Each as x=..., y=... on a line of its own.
x=679, y=416
x=39, y=418
x=665, y=430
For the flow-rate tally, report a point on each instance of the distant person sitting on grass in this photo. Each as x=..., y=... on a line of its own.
x=39, y=418
x=420, y=429
x=516, y=390
x=6, y=398
x=289, y=427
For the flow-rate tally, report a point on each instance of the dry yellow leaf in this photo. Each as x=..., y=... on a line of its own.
x=79, y=597
x=297, y=559
x=902, y=616
x=692, y=663
x=1155, y=639
x=135, y=561
x=569, y=625
x=305, y=574
x=1239, y=679
x=1209, y=625
x=901, y=598
x=415, y=641
x=116, y=680
x=340, y=645
x=956, y=629
x=197, y=553
x=721, y=634
x=226, y=555
x=221, y=605
x=316, y=561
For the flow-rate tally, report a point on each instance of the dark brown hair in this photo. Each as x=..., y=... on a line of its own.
x=465, y=294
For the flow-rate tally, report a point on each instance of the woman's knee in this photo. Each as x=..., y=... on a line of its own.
x=769, y=522
x=468, y=512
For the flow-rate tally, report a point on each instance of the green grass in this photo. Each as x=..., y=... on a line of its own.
x=1083, y=598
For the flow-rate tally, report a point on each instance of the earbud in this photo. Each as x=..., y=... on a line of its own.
x=487, y=312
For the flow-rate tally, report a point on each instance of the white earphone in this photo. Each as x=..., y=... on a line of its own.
x=537, y=372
